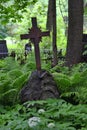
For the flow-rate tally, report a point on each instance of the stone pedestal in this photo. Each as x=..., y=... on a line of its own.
x=39, y=87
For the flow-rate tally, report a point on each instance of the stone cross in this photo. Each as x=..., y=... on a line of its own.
x=35, y=35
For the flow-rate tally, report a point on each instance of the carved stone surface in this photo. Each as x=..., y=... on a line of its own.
x=39, y=88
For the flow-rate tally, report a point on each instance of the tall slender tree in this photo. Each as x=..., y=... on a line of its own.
x=55, y=59
x=75, y=31
x=50, y=15
x=51, y=25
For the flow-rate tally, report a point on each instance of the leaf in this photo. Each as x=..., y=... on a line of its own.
x=20, y=81
x=63, y=81
x=8, y=96
x=76, y=78
x=13, y=74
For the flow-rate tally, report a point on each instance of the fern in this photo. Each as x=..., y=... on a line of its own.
x=10, y=64
x=15, y=73
x=8, y=97
x=82, y=94
x=4, y=86
x=76, y=80
x=73, y=86
x=63, y=81
x=19, y=82
x=80, y=79
x=60, y=69
x=63, y=115
x=12, y=78
x=30, y=66
x=1, y=64
x=10, y=84
x=70, y=86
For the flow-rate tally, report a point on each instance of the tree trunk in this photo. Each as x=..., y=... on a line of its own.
x=51, y=26
x=49, y=16
x=75, y=31
x=55, y=59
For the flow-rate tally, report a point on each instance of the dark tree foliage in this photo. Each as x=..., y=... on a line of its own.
x=13, y=9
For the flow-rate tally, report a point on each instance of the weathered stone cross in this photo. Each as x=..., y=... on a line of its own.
x=35, y=35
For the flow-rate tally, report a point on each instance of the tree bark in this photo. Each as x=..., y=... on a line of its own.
x=51, y=26
x=75, y=31
x=49, y=16
x=55, y=58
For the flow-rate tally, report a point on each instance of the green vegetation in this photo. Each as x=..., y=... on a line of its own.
x=23, y=22
x=67, y=113
x=50, y=114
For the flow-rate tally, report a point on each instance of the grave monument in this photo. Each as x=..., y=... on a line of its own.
x=41, y=84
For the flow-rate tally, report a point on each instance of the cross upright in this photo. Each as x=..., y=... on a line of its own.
x=35, y=35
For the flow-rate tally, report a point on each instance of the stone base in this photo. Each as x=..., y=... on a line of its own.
x=39, y=87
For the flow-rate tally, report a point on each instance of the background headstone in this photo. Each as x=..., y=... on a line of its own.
x=3, y=49
x=84, y=50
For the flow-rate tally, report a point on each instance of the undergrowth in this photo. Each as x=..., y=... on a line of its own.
x=55, y=114
x=72, y=82
x=66, y=113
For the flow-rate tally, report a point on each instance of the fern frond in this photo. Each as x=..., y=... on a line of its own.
x=20, y=81
x=8, y=97
x=63, y=81
x=10, y=64
x=76, y=79
x=15, y=73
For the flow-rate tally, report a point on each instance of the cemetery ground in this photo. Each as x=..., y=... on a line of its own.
x=68, y=112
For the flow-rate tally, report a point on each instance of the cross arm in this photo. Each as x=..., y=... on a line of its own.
x=24, y=36
x=47, y=33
